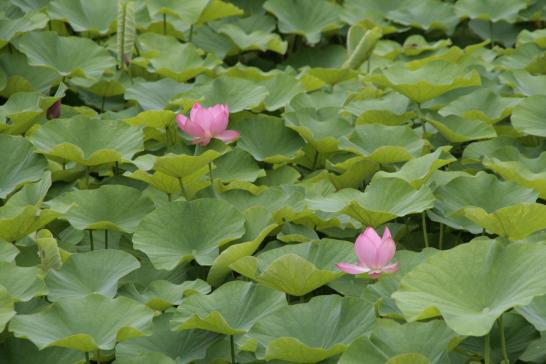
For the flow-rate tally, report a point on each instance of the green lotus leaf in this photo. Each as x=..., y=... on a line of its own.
x=217, y=313
x=94, y=15
x=258, y=225
x=514, y=222
x=321, y=128
x=458, y=130
x=254, y=33
x=528, y=116
x=8, y=252
x=154, y=94
x=417, y=171
x=22, y=283
x=466, y=193
x=385, y=199
x=390, y=109
x=110, y=207
x=492, y=10
x=434, y=287
x=50, y=255
x=427, y=15
x=483, y=104
x=17, y=222
x=384, y=144
x=28, y=5
x=23, y=165
x=281, y=145
x=69, y=56
x=183, y=165
x=24, y=109
x=282, y=88
x=92, y=272
x=355, y=11
x=208, y=224
x=88, y=141
x=72, y=323
x=314, y=262
x=181, y=346
x=427, y=82
x=188, y=11
x=147, y=274
x=166, y=56
x=159, y=180
x=237, y=165
x=525, y=83
x=161, y=295
x=475, y=152
x=513, y=166
x=238, y=93
x=390, y=339
x=19, y=351
x=9, y=28
x=7, y=310
x=305, y=17
x=294, y=333
x=23, y=77
x=293, y=233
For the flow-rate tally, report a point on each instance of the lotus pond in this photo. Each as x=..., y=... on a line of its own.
x=280, y=181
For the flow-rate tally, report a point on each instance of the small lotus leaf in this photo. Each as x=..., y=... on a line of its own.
x=427, y=15
x=19, y=351
x=9, y=28
x=7, y=309
x=528, y=116
x=22, y=283
x=459, y=130
x=154, y=94
x=72, y=323
x=492, y=10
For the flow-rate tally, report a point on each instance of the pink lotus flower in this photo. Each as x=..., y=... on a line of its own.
x=207, y=123
x=374, y=254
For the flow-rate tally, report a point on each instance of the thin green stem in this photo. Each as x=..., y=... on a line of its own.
x=169, y=197
x=487, y=349
x=98, y=358
x=87, y=360
x=210, y=173
x=503, y=341
x=491, y=34
x=165, y=23
x=424, y=223
x=102, y=104
x=369, y=65
x=91, y=243
x=232, y=345
x=105, y=239
x=182, y=188
x=191, y=33
x=441, y=239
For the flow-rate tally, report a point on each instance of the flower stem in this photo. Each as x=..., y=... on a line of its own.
x=441, y=240
x=105, y=239
x=87, y=360
x=424, y=223
x=210, y=173
x=487, y=349
x=232, y=345
x=98, y=358
x=191, y=33
x=91, y=243
x=182, y=188
x=503, y=341
x=165, y=23
x=491, y=33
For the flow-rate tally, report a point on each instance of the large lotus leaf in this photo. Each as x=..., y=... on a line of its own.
x=10, y=28
x=8, y=252
x=493, y=10
x=427, y=15
x=390, y=109
x=281, y=145
x=166, y=56
x=28, y=5
x=238, y=93
x=85, y=15
x=92, y=272
x=459, y=130
x=69, y=56
x=154, y=94
x=390, y=339
x=321, y=128
x=231, y=309
x=19, y=165
x=525, y=83
x=528, y=117
x=314, y=264
x=22, y=283
x=296, y=333
x=17, y=222
x=23, y=110
x=110, y=207
x=7, y=310
x=384, y=144
x=258, y=225
x=305, y=17
x=472, y=284
x=282, y=88
x=514, y=222
x=20, y=351
x=467, y=193
x=207, y=224
x=417, y=171
x=161, y=295
x=88, y=141
x=254, y=33
x=181, y=346
x=427, y=82
x=513, y=166
x=72, y=323
x=23, y=77
x=182, y=165
x=483, y=104
x=237, y=165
